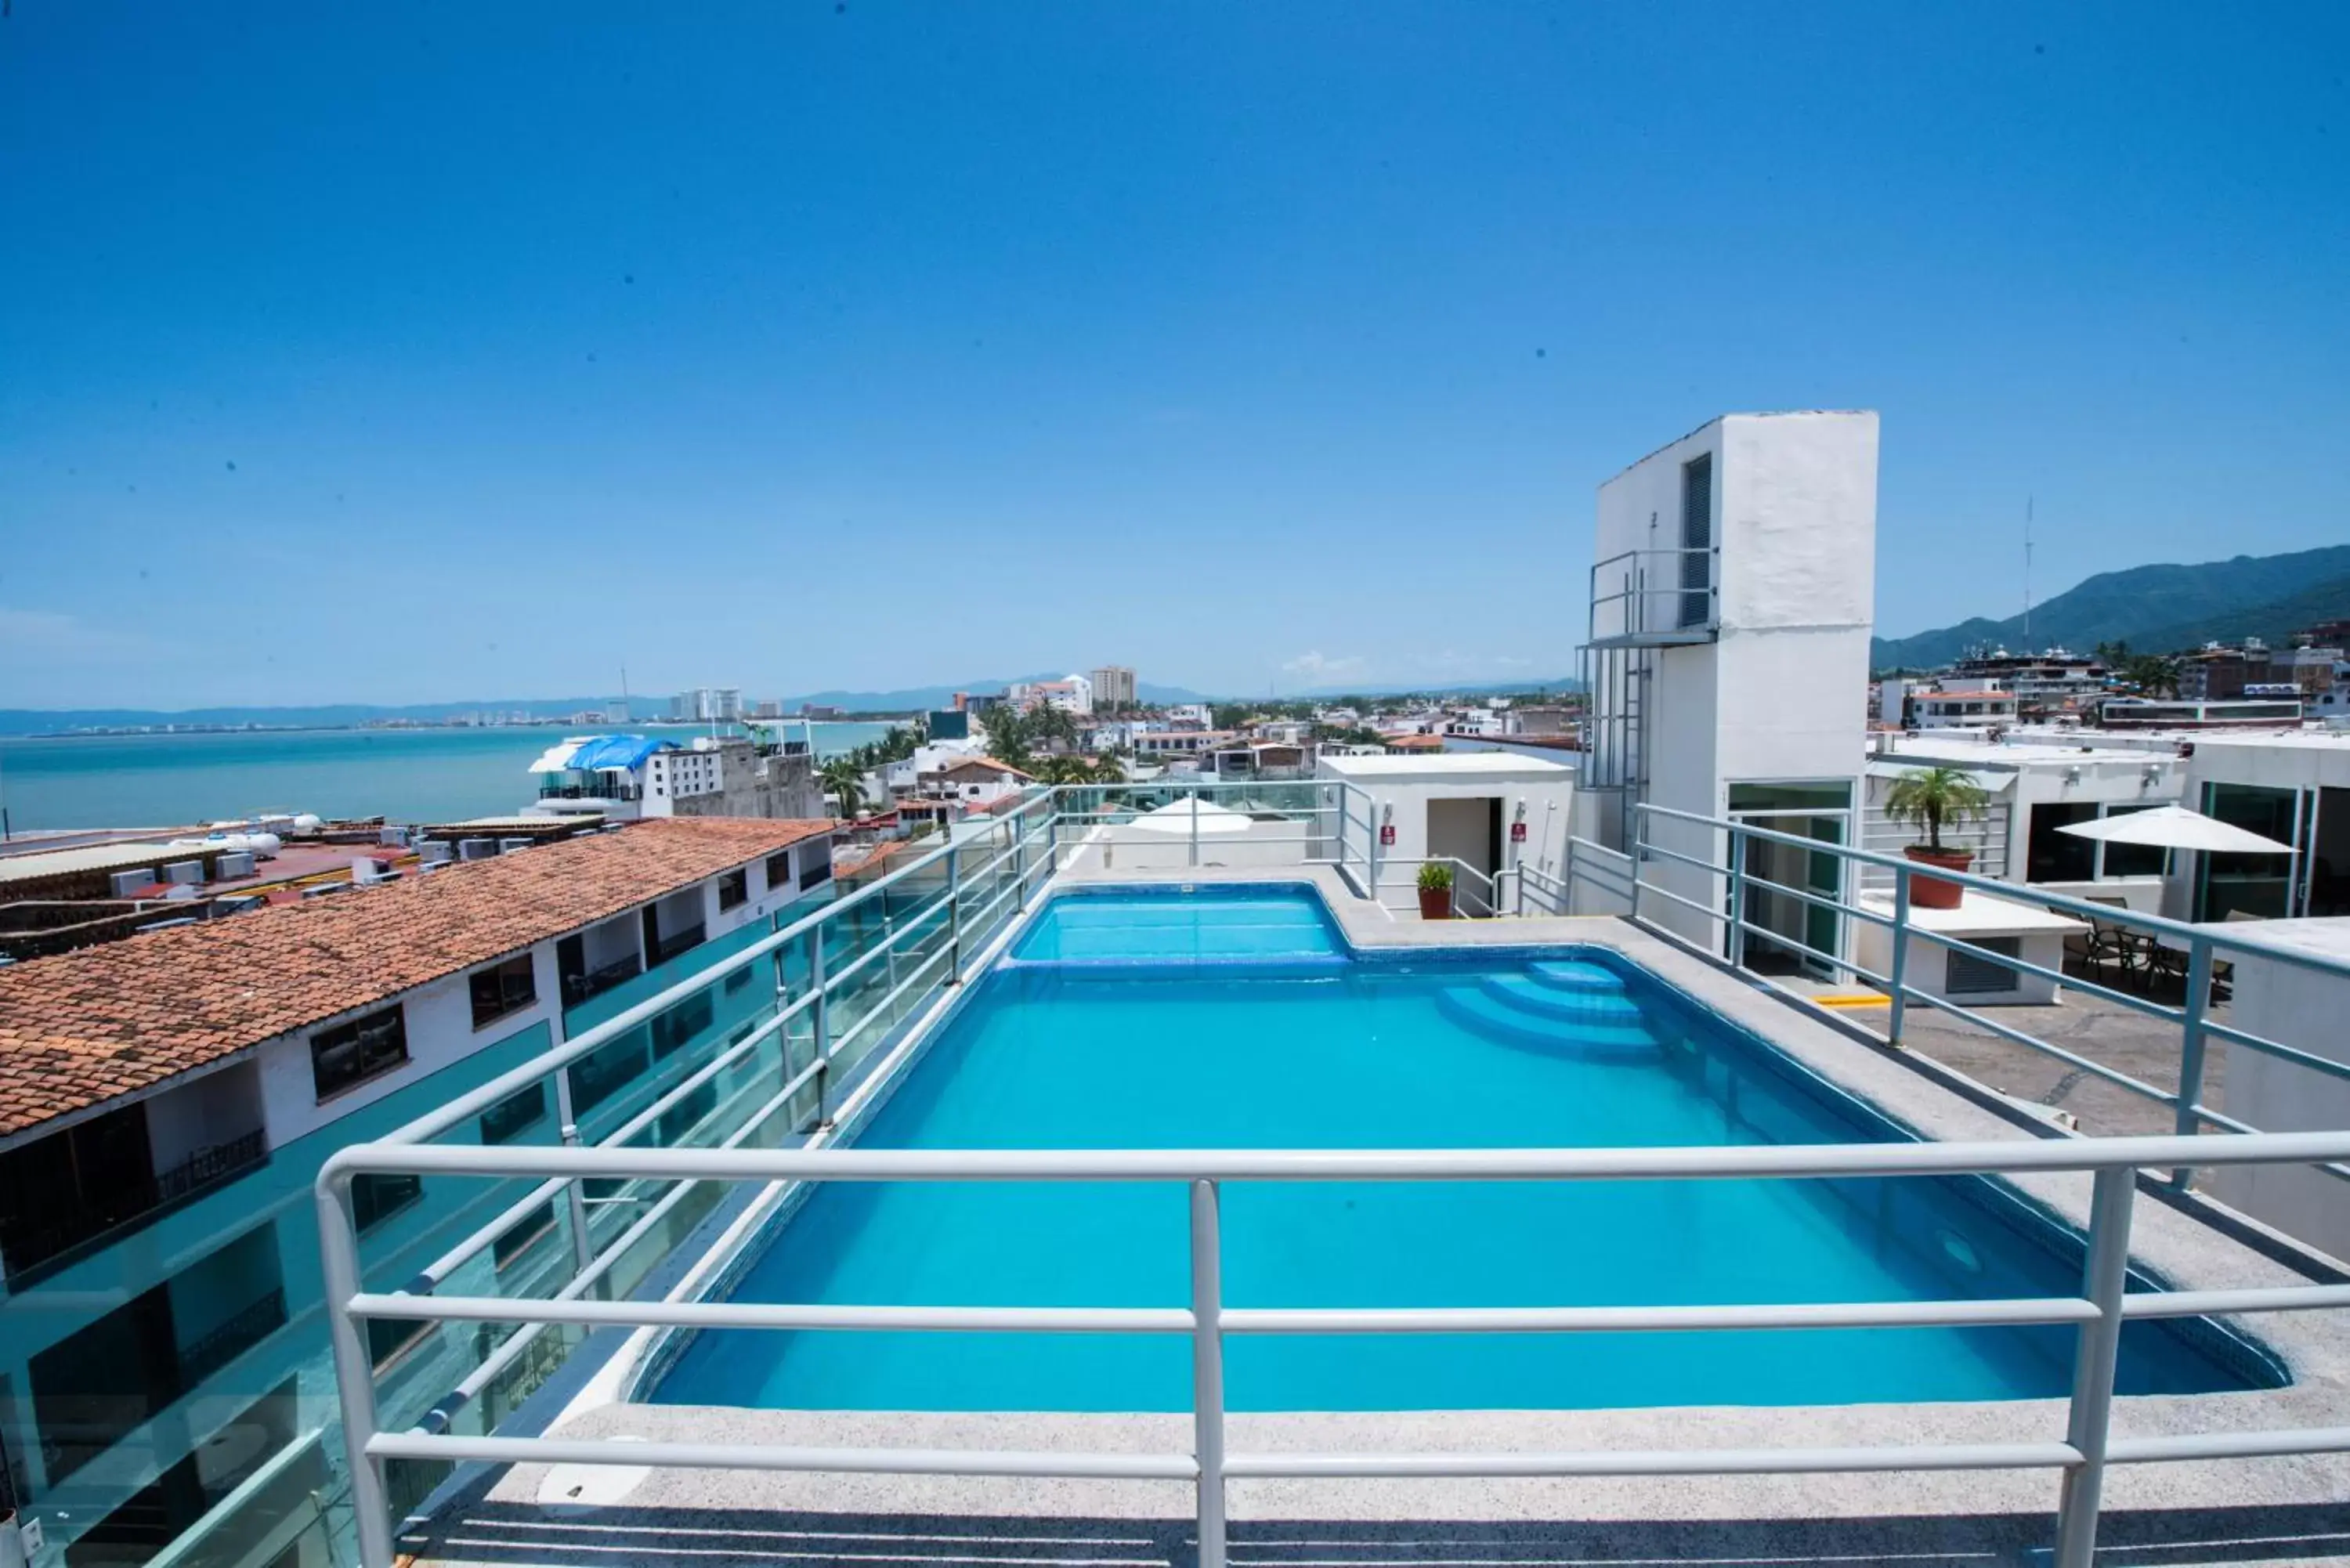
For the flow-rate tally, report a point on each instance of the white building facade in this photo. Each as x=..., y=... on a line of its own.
x=1730, y=612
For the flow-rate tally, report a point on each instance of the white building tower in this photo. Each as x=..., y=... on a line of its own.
x=1731, y=603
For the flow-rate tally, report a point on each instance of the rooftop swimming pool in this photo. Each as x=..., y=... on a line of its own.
x=1238, y=1018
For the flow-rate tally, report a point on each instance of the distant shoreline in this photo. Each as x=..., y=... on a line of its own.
x=163, y=731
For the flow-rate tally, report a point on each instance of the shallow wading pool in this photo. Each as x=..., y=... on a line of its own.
x=1238, y=1019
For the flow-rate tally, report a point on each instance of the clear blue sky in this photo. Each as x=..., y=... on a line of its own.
x=430, y=351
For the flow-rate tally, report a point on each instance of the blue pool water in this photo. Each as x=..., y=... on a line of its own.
x=1213, y=924
x=1475, y=1051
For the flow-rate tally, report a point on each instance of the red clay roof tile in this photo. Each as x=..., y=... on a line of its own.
x=80, y=1028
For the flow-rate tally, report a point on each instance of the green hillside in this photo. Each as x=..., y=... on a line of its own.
x=2155, y=608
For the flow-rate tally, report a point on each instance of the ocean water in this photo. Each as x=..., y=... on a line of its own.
x=415, y=775
x=1492, y=1051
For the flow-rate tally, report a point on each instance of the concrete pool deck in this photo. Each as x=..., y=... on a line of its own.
x=528, y=1515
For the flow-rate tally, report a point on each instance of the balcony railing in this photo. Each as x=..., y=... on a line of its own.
x=590, y=792
x=52, y=1227
x=579, y=988
x=859, y=970
x=2082, y=1456
x=1699, y=875
x=1656, y=599
x=233, y=1338
x=676, y=943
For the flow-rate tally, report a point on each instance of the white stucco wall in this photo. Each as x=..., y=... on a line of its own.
x=1407, y=785
x=210, y=1109
x=440, y=1024
x=2303, y=1009
x=1783, y=693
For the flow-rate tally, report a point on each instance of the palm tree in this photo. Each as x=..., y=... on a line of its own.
x=1050, y=724
x=1929, y=797
x=2154, y=674
x=844, y=778
x=1007, y=738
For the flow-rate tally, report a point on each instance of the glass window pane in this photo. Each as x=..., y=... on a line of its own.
x=2053, y=855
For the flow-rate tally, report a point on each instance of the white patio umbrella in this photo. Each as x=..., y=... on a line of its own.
x=2176, y=827
x=1177, y=816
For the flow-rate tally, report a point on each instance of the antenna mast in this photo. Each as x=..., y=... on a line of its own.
x=2027, y=574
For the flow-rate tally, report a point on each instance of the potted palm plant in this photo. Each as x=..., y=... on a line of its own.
x=1436, y=891
x=1928, y=798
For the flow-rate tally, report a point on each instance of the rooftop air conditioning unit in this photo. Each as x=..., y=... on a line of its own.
x=476, y=849
x=123, y=884
x=238, y=864
x=188, y=871
x=393, y=838
x=434, y=851
x=508, y=845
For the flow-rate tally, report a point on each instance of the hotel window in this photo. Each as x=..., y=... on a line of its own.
x=674, y=1030
x=518, y=1239
x=816, y=865
x=351, y=1054
x=377, y=1196
x=734, y=889
x=2133, y=859
x=779, y=871
x=514, y=1116
x=503, y=988
x=391, y=1339
x=1697, y=540
x=2051, y=856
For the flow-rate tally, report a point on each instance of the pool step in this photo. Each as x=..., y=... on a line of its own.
x=1470, y=1007
x=1577, y=975
x=1522, y=994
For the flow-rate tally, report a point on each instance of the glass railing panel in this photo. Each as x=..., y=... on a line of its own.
x=577, y=1020
x=201, y=1332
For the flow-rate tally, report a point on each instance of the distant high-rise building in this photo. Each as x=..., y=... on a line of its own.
x=1113, y=688
x=703, y=703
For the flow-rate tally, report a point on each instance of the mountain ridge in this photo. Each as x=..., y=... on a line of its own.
x=2155, y=608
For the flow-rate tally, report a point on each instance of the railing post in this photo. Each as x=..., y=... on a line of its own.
x=2190, y=1050
x=1207, y=1370
x=1637, y=840
x=1899, y=967
x=582, y=1252
x=1019, y=827
x=1736, y=947
x=820, y=1025
x=339, y=1262
x=2103, y=1278
x=1342, y=833
x=1195, y=827
x=954, y=908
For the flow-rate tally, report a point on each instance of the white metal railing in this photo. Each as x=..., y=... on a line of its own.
x=1670, y=594
x=2082, y=1456
x=1009, y=869
x=2198, y=950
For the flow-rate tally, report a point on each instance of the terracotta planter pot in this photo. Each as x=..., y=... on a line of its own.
x=1436, y=903
x=1932, y=892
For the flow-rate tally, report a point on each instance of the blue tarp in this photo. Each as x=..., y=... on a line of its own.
x=603, y=751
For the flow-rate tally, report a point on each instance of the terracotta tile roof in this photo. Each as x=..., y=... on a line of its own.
x=80, y=1028
x=983, y=765
x=853, y=863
